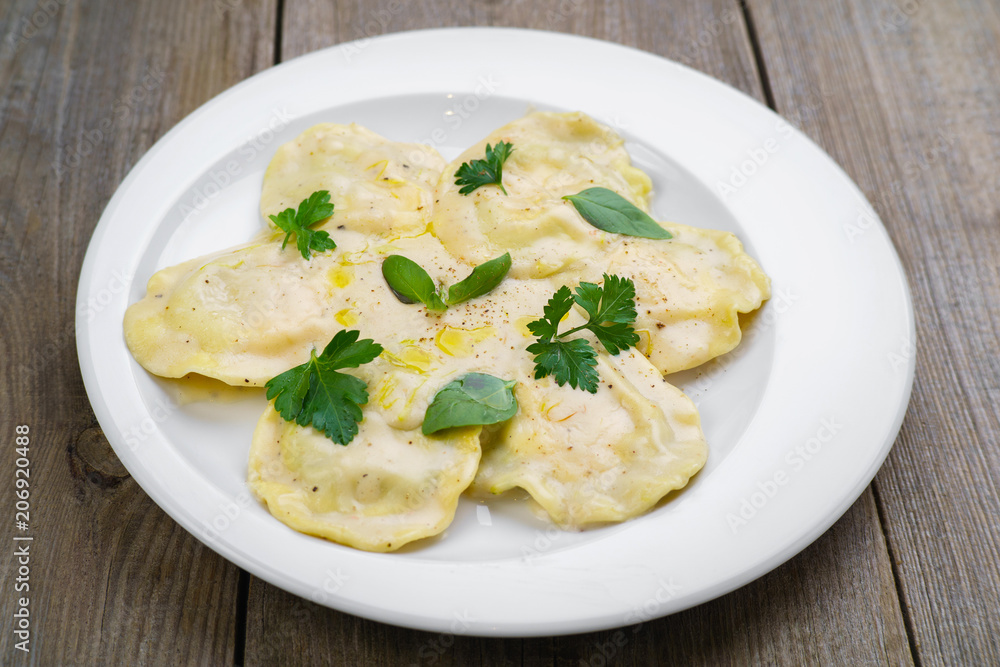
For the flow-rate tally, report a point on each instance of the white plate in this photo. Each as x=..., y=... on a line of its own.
x=798, y=419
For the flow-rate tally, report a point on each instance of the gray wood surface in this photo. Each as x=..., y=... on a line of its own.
x=113, y=579
x=904, y=96
x=911, y=109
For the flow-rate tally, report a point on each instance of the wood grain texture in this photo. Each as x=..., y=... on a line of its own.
x=903, y=95
x=87, y=88
x=833, y=604
x=911, y=109
x=709, y=36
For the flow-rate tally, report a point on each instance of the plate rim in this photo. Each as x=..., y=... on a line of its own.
x=379, y=612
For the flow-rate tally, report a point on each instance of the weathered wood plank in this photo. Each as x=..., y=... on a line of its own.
x=834, y=603
x=709, y=36
x=911, y=109
x=86, y=92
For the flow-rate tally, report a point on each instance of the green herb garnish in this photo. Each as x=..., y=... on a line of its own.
x=472, y=400
x=316, y=393
x=611, y=311
x=317, y=207
x=483, y=279
x=609, y=211
x=478, y=173
x=410, y=283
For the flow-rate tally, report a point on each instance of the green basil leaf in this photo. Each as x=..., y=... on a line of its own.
x=484, y=278
x=410, y=283
x=611, y=212
x=472, y=400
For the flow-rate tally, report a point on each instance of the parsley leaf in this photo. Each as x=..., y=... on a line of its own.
x=478, y=173
x=316, y=393
x=571, y=361
x=611, y=313
x=554, y=311
x=317, y=207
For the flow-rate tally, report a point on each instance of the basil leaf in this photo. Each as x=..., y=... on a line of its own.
x=484, y=278
x=410, y=283
x=472, y=400
x=611, y=212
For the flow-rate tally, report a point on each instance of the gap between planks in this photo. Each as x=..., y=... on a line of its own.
x=765, y=83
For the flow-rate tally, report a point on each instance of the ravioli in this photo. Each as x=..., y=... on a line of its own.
x=391, y=484
x=241, y=316
x=690, y=291
x=555, y=154
x=377, y=186
x=486, y=335
x=589, y=459
x=245, y=315
x=386, y=488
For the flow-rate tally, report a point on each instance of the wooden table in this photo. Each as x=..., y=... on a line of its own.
x=905, y=94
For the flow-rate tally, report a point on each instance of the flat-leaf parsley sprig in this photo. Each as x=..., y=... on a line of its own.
x=478, y=173
x=316, y=393
x=311, y=210
x=611, y=312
